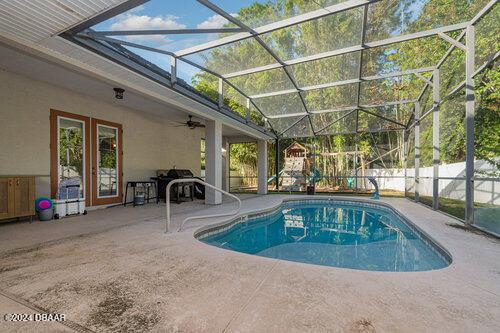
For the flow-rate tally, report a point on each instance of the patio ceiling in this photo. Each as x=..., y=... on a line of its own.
x=36, y=21
x=312, y=68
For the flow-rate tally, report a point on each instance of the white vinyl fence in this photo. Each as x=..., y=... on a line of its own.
x=485, y=191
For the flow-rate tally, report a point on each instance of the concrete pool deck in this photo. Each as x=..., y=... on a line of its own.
x=116, y=270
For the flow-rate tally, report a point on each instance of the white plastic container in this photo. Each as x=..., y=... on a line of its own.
x=69, y=200
x=68, y=207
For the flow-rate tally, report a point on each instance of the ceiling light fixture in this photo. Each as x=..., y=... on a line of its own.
x=119, y=93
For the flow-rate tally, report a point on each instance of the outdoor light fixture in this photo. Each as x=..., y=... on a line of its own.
x=119, y=93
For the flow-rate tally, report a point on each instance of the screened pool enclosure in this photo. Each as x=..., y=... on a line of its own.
x=402, y=90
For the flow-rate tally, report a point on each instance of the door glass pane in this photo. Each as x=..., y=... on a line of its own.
x=71, y=159
x=107, y=157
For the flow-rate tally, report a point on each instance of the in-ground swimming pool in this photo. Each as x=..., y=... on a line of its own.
x=332, y=233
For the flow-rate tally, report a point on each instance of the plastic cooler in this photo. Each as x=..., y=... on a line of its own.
x=69, y=201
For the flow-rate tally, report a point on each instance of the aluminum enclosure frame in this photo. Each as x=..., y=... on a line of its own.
x=103, y=36
x=103, y=43
x=470, y=72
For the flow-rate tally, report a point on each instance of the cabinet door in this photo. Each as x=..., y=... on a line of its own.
x=6, y=197
x=24, y=196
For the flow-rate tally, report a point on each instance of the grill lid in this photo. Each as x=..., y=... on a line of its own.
x=179, y=173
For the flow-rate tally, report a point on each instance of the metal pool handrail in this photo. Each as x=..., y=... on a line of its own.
x=195, y=180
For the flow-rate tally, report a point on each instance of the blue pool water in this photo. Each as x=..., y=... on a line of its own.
x=340, y=234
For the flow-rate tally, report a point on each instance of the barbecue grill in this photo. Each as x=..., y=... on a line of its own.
x=178, y=191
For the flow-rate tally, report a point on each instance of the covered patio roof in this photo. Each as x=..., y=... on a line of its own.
x=303, y=68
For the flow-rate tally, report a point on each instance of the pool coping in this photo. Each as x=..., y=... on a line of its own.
x=221, y=226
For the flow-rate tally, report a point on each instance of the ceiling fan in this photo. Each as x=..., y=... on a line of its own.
x=192, y=124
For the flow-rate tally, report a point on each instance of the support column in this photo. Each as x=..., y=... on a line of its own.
x=173, y=70
x=405, y=157
x=469, y=124
x=262, y=166
x=417, y=151
x=221, y=93
x=435, y=139
x=213, y=161
x=226, y=166
x=277, y=163
x=247, y=115
x=356, y=154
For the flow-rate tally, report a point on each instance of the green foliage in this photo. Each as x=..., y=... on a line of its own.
x=243, y=158
x=108, y=160
x=71, y=149
x=452, y=110
x=206, y=84
x=107, y=152
x=487, y=120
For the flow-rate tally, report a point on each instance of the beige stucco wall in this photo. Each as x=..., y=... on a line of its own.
x=149, y=142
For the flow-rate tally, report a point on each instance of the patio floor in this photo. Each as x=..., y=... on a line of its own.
x=116, y=270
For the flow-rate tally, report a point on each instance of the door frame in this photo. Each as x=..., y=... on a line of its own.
x=119, y=186
x=54, y=151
